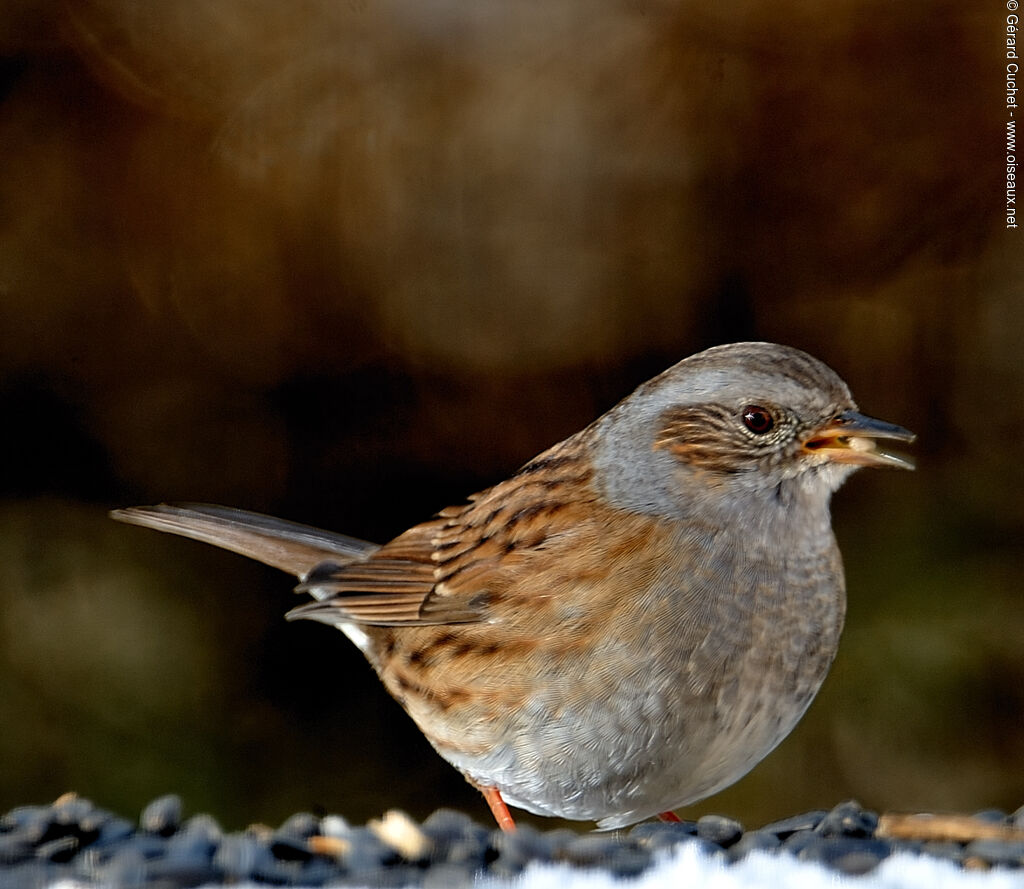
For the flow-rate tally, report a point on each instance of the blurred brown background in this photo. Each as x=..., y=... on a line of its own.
x=346, y=262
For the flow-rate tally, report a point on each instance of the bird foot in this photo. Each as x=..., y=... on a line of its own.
x=498, y=808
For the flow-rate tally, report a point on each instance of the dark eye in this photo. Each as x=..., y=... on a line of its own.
x=758, y=419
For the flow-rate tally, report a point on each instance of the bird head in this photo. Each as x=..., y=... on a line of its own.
x=742, y=417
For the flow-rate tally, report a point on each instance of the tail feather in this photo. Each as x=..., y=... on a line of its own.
x=289, y=546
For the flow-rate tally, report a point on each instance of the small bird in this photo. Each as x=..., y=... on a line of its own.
x=633, y=620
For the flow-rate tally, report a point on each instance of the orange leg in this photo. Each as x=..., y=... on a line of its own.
x=498, y=808
x=670, y=816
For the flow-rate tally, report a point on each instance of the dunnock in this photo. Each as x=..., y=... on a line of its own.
x=630, y=622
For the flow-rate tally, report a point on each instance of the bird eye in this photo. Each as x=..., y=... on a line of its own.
x=758, y=419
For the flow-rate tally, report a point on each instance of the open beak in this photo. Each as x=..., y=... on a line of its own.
x=853, y=438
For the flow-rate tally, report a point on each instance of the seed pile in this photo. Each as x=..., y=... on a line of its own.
x=75, y=840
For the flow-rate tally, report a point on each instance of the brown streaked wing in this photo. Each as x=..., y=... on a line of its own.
x=445, y=570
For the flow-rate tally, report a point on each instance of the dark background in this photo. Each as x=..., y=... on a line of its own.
x=348, y=262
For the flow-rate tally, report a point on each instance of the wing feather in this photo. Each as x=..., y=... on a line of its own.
x=448, y=569
x=445, y=570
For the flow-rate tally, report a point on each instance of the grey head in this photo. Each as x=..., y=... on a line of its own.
x=736, y=422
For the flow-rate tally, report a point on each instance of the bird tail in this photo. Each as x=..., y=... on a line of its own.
x=289, y=546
